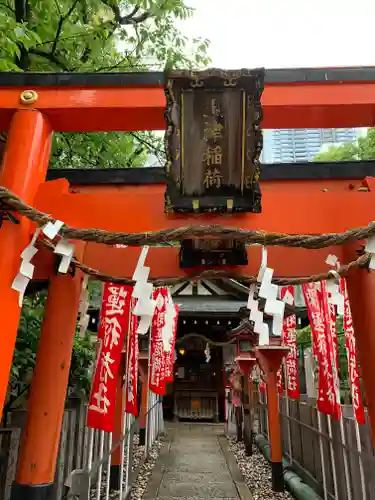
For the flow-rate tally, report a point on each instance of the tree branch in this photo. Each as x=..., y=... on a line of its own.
x=76, y=153
x=60, y=25
x=20, y=10
x=50, y=57
x=147, y=143
x=7, y=7
x=128, y=19
x=116, y=65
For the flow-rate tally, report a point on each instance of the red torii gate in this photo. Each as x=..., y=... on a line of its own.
x=124, y=102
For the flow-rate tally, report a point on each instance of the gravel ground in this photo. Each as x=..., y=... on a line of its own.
x=140, y=484
x=256, y=471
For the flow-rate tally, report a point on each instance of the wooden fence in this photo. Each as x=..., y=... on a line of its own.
x=80, y=447
x=336, y=458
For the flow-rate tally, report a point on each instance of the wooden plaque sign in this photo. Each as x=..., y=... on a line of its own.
x=213, y=141
x=212, y=252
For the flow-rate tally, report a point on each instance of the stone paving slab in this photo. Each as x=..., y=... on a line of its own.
x=192, y=456
x=186, y=465
x=196, y=498
x=199, y=477
x=195, y=466
x=193, y=488
x=199, y=449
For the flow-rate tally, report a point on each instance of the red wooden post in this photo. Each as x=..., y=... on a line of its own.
x=24, y=167
x=41, y=436
x=270, y=358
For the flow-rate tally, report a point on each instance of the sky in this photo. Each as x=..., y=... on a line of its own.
x=285, y=33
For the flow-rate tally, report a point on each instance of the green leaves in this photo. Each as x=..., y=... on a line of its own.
x=25, y=353
x=94, y=36
x=82, y=358
x=13, y=38
x=105, y=150
x=24, y=356
x=363, y=149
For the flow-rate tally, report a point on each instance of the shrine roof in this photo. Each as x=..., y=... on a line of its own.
x=199, y=306
x=158, y=79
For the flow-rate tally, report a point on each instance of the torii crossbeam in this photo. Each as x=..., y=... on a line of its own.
x=33, y=106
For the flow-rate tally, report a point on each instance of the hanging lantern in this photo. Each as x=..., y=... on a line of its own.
x=244, y=334
x=213, y=141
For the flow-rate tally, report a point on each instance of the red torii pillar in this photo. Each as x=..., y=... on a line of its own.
x=24, y=168
x=41, y=436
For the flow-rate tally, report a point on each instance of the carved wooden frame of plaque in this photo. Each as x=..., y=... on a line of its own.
x=202, y=188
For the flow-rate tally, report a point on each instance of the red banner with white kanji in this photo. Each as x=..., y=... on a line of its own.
x=131, y=405
x=334, y=350
x=114, y=322
x=318, y=312
x=289, y=338
x=157, y=359
x=351, y=353
x=169, y=356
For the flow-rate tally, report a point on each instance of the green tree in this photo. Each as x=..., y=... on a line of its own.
x=97, y=36
x=89, y=36
x=25, y=355
x=363, y=149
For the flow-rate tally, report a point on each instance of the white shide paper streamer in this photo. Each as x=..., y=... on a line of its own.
x=26, y=271
x=333, y=286
x=143, y=292
x=269, y=291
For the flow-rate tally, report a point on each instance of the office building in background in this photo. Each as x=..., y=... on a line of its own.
x=301, y=145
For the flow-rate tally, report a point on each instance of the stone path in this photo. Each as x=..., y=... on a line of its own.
x=195, y=464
